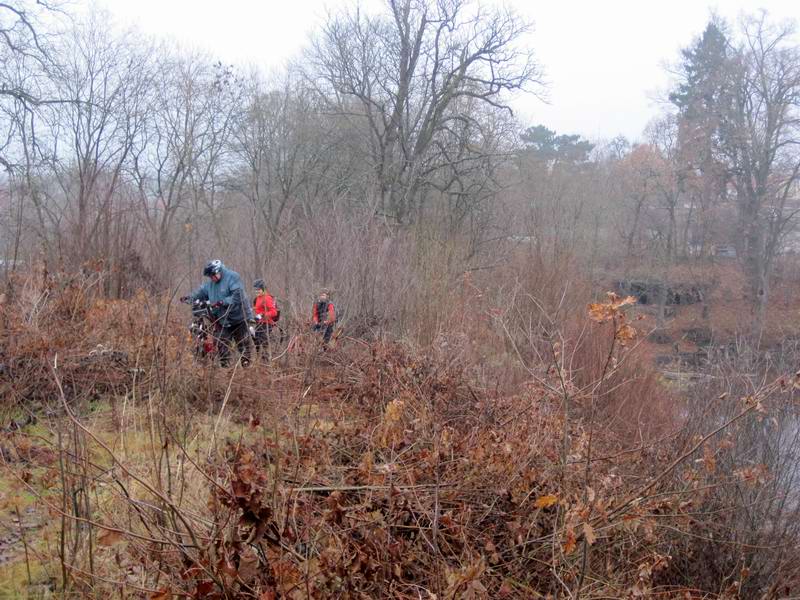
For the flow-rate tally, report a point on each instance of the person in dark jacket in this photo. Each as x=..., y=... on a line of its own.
x=225, y=292
x=323, y=316
x=266, y=313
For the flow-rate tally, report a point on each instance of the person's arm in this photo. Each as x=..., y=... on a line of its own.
x=237, y=297
x=271, y=311
x=314, y=314
x=235, y=293
x=200, y=293
x=331, y=314
x=247, y=308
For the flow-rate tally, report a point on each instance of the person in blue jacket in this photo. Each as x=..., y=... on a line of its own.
x=231, y=307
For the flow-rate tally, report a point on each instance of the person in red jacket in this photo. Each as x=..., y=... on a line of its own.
x=266, y=313
x=323, y=316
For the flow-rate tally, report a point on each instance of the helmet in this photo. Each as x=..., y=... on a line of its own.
x=259, y=284
x=213, y=267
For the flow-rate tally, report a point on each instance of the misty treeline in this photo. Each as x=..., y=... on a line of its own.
x=385, y=161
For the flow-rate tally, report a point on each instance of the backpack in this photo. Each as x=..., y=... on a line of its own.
x=277, y=309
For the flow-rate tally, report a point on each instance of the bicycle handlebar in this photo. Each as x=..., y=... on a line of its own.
x=199, y=303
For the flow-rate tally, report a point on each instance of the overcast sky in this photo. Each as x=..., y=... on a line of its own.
x=604, y=60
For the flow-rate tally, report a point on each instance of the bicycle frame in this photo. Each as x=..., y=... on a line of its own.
x=204, y=329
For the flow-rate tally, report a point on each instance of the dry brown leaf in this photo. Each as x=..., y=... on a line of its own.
x=505, y=590
x=109, y=537
x=248, y=565
x=571, y=542
x=625, y=333
x=588, y=531
x=546, y=501
x=602, y=312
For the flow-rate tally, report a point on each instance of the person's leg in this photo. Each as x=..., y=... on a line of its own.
x=243, y=342
x=260, y=339
x=264, y=338
x=226, y=339
x=268, y=333
x=328, y=334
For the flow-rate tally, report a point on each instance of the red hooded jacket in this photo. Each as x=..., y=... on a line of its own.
x=326, y=320
x=264, y=305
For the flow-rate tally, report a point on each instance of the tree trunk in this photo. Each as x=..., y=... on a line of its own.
x=757, y=263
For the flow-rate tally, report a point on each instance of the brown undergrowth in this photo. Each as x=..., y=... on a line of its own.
x=371, y=470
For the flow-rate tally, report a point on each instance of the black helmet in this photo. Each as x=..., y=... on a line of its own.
x=259, y=284
x=212, y=268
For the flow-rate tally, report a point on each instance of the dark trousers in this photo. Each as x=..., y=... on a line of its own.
x=326, y=330
x=263, y=333
x=237, y=336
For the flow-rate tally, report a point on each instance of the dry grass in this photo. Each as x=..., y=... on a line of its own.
x=373, y=470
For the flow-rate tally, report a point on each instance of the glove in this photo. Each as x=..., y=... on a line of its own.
x=259, y=317
x=252, y=331
x=216, y=305
x=184, y=299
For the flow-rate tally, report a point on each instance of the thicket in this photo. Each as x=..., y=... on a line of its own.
x=380, y=469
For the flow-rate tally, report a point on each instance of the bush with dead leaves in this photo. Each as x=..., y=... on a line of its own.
x=378, y=470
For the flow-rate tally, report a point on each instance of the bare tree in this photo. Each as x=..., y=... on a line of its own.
x=555, y=174
x=22, y=42
x=92, y=139
x=634, y=175
x=191, y=111
x=400, y=77
x=280, y=146
x=663, y=137
x=25, y=67
x=739, y=109
x=761, y=145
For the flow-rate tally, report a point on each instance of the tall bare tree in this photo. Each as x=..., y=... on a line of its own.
x=761, y=144
x=400, y=77
x=740, y=106
x=109, y=75
x=22, y=41
x=280, y=144
x=191, y=109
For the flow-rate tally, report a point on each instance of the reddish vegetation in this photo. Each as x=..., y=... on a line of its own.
x=372, y=470
x=728, y=305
